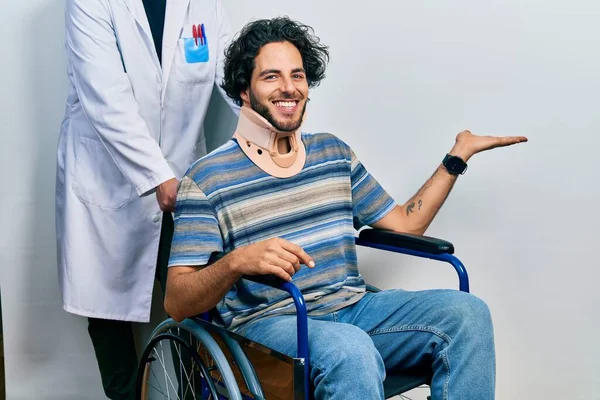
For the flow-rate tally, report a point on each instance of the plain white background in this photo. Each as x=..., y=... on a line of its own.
x=404, y=78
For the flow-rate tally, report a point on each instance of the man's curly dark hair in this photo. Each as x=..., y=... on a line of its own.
x=240, y=55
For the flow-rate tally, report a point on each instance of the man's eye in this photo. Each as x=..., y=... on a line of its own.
x=299, y=76
x=270, y=77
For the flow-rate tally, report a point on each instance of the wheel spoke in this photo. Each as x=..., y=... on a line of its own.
x=186, y=375
x=194, y=361
x=157, y=381
x=155, y=388
x=193, y=368
x=167, y=377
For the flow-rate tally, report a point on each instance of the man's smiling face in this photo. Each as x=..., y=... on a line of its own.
x=278, y=88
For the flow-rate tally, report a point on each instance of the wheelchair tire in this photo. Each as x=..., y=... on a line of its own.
x=202, y=371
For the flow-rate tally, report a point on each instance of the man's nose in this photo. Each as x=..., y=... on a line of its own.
x=287, y=86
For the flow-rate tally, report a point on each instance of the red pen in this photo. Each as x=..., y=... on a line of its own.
x=195, y=33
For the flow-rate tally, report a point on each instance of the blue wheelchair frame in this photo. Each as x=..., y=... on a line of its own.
x=414, y=245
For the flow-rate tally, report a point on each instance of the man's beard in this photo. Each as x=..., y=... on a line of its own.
x=263, y=110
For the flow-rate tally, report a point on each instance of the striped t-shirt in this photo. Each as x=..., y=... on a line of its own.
x=225, y=201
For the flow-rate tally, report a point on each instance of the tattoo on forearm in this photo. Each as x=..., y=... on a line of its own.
x=410, y=207
x=417, y=201
x=426, y=186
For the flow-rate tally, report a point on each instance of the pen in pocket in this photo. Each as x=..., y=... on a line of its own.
x=199, y=33
x=196, y=47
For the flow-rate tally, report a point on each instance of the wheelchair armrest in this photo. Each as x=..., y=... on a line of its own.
x=268, y=280
x=414, y=245
x=424, y=244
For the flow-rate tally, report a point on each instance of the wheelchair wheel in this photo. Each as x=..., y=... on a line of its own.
x=182, y=362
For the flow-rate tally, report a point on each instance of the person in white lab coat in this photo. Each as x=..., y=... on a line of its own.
x=141, y=76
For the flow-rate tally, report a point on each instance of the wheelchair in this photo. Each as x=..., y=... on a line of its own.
x=210, y=362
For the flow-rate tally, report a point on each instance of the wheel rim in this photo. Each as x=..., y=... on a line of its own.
x=157, y=372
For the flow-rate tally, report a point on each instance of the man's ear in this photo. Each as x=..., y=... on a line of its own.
x=245, y=96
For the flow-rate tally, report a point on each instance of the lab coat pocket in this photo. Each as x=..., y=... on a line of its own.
x=195, y=52
x=194, y=65
x=97, y=180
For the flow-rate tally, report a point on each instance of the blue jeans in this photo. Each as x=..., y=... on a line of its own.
x=446, y=332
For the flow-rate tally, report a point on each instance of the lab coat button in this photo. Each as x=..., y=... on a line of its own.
x=155, y=218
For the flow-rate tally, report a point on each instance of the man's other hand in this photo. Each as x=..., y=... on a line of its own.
x=468, y=144
x=166, y=195
x=275, y=256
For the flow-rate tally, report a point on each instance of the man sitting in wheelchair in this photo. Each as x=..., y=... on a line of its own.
x=275, y=201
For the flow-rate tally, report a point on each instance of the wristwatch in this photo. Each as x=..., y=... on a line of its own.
x=454, y=165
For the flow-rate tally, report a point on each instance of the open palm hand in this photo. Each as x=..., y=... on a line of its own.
x=470, y=144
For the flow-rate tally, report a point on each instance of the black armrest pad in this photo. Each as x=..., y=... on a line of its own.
x=269, y=280
x=406, y=241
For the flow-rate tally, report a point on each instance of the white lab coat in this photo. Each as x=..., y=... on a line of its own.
x=129, y=125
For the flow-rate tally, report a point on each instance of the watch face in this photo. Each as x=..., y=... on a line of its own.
x=455, y=165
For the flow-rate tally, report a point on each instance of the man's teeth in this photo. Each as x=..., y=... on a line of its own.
x=288, y=104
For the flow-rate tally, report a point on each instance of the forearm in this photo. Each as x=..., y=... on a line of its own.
x=421, y=209
x=416, y=214
x=196, y=291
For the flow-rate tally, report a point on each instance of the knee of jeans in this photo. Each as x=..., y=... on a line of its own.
x=469, y=313
x=352, y=349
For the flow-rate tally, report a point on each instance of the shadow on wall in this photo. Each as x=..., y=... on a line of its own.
x=220, y=122
x=34, y=359
x=40, y=281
